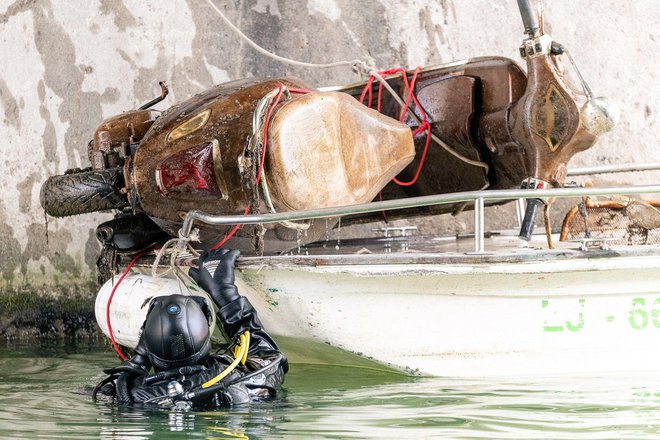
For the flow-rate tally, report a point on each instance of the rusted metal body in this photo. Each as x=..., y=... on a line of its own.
x=546, y=121
x=467, y=104
x=324, y=149
x=224, y=136
x=487, y=109
x=229, y=123
x=112, y=140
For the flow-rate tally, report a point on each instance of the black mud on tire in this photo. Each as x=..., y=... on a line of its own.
x=78, y=193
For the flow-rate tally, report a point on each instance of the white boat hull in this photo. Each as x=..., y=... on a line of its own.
x=552, y=313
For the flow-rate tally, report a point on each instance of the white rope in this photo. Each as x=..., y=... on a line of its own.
x=359, y=65
x=174, y=247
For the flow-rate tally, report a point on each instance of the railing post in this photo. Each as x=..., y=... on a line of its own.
x=520, y=211
x=479, y=225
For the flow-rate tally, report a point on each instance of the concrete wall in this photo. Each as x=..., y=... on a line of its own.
x=66, y=65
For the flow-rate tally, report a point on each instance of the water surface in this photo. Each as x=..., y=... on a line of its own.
x=45, y=393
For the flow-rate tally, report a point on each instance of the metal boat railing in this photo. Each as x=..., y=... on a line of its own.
x=608, y=169
x=478, y=198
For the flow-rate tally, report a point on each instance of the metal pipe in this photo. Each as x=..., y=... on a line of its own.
x=614, y=169
x=520, y=211
x=583, y=81
x=479, y=225
x=163, y=94
x=412, y=202
x=530, y=17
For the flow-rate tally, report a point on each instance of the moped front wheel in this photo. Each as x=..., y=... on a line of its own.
x=82, y=192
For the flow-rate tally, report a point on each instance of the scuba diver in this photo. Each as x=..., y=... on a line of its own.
x=176, y=342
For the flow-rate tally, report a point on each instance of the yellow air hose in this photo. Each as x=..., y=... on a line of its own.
x=247, y=347
x=240, y=355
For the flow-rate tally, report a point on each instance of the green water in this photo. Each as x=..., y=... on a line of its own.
x=44, y=393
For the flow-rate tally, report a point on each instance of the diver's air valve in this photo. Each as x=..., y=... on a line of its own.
x=175, y=394
x=174, y=389
x=527, y=226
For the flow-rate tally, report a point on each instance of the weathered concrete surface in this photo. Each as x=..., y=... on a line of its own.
x=67, y=65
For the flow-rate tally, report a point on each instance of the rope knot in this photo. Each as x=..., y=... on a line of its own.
x=363, y=67
x=175, y=247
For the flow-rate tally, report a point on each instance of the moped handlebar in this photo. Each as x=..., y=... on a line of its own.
x=529, y=17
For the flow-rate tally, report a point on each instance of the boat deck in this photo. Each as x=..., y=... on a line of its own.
x=500, y=247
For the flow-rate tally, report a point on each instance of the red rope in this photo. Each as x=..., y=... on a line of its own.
x=263, y=153
x=232, y=232
x=411, y=95
x=380, y=94
x=299, y=91
x=366, y=89
x=107, y=309
x=423, y=126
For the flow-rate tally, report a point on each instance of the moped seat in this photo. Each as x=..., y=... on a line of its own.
x=326, y=149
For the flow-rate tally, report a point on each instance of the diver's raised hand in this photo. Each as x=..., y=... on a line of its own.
x=220, y=285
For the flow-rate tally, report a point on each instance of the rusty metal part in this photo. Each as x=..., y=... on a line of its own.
x=231, y=106
x=468, y=106
x=112, y=140
x=164, y=91
x=632, y=222
x=179, y=165
x=546, y=121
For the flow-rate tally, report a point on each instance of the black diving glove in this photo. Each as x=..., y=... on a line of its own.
x=221, y=285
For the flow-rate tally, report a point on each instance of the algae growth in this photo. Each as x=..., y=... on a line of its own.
x=59, y=311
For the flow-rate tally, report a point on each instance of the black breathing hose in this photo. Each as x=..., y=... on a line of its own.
x=164, y=375
x=529, y=17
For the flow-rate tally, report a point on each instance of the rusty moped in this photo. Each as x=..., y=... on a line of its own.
x=279, y=145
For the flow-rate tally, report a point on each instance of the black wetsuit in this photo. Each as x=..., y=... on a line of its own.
x=260, y=377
